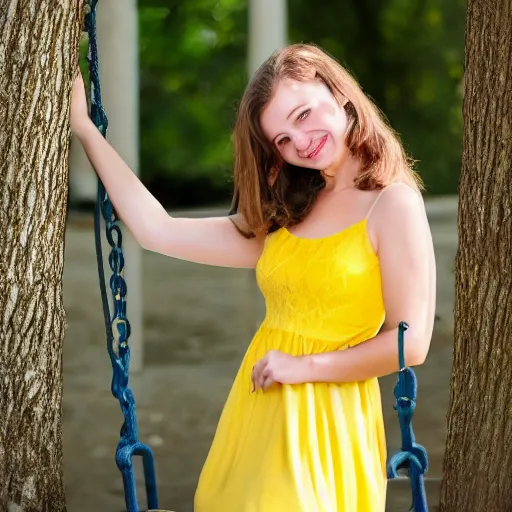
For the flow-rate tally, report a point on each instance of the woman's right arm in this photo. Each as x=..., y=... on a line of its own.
x=212, y=241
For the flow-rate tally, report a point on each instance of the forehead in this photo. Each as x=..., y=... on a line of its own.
x=288, y=95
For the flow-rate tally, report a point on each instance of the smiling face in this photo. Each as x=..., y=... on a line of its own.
x=303, y=112
x=305, y=124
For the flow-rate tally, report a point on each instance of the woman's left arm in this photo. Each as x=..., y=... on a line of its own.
x=401, y=231
x=407, y=264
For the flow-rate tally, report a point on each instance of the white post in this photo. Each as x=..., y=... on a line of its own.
x=268, y=32
x=268, y=29
x=118, y=50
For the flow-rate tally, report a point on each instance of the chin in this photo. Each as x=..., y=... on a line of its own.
x=319, y=164
x=315, y=166
x=324, y=165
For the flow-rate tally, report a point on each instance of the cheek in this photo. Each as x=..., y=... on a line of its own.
x=339, y=125
x=288, y=154
x=334, y=121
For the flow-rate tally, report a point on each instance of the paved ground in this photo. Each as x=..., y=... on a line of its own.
x=198, y=323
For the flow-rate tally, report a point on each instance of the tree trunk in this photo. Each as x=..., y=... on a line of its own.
x=38, y=56
x=478, y=459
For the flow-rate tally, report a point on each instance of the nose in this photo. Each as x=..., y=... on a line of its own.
x=301, y=141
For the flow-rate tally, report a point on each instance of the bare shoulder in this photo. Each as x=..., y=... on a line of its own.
x=400, y=198
x=399, y=214
x=400, y=204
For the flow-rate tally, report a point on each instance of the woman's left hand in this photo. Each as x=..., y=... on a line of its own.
x=278, y=367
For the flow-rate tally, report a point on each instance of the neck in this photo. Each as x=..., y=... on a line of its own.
x=342, y=175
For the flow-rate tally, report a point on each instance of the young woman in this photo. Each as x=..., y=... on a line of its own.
x=328, y=211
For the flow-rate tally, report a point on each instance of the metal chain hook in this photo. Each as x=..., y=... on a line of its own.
x=117, y=326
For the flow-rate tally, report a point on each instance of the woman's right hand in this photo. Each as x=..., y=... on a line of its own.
x=79, y=110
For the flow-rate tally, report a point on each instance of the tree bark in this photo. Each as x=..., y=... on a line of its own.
x=478, y=458
x=38, y=57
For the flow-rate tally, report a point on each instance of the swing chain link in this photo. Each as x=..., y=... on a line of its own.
x=119, y=331
x=412, y=458
x=117, y=325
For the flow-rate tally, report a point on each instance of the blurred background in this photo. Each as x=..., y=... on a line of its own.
x=172, y=74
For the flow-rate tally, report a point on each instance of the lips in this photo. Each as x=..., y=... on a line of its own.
x=318, y=148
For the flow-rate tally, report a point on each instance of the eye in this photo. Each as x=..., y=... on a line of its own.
x=304, y=114
x=283, y=141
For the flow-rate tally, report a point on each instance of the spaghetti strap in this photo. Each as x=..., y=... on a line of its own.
x=372, y=206
x=370, y=210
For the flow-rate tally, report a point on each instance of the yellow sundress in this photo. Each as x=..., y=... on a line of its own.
x=314, y=447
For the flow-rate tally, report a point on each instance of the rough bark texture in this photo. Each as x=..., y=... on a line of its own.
x=38, y=56
x=478, y=459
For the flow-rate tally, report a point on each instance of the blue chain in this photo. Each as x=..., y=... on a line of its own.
x=117, y=326
x=412, y=457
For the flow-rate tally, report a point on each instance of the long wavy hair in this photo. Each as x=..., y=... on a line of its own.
x=270, y=193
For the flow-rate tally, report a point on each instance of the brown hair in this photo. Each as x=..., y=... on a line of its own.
x=269, y=193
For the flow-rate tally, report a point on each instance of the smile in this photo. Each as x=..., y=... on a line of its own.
x=317, y=150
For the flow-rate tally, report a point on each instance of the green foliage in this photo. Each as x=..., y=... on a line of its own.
x=192, y=57
x=407, y=55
